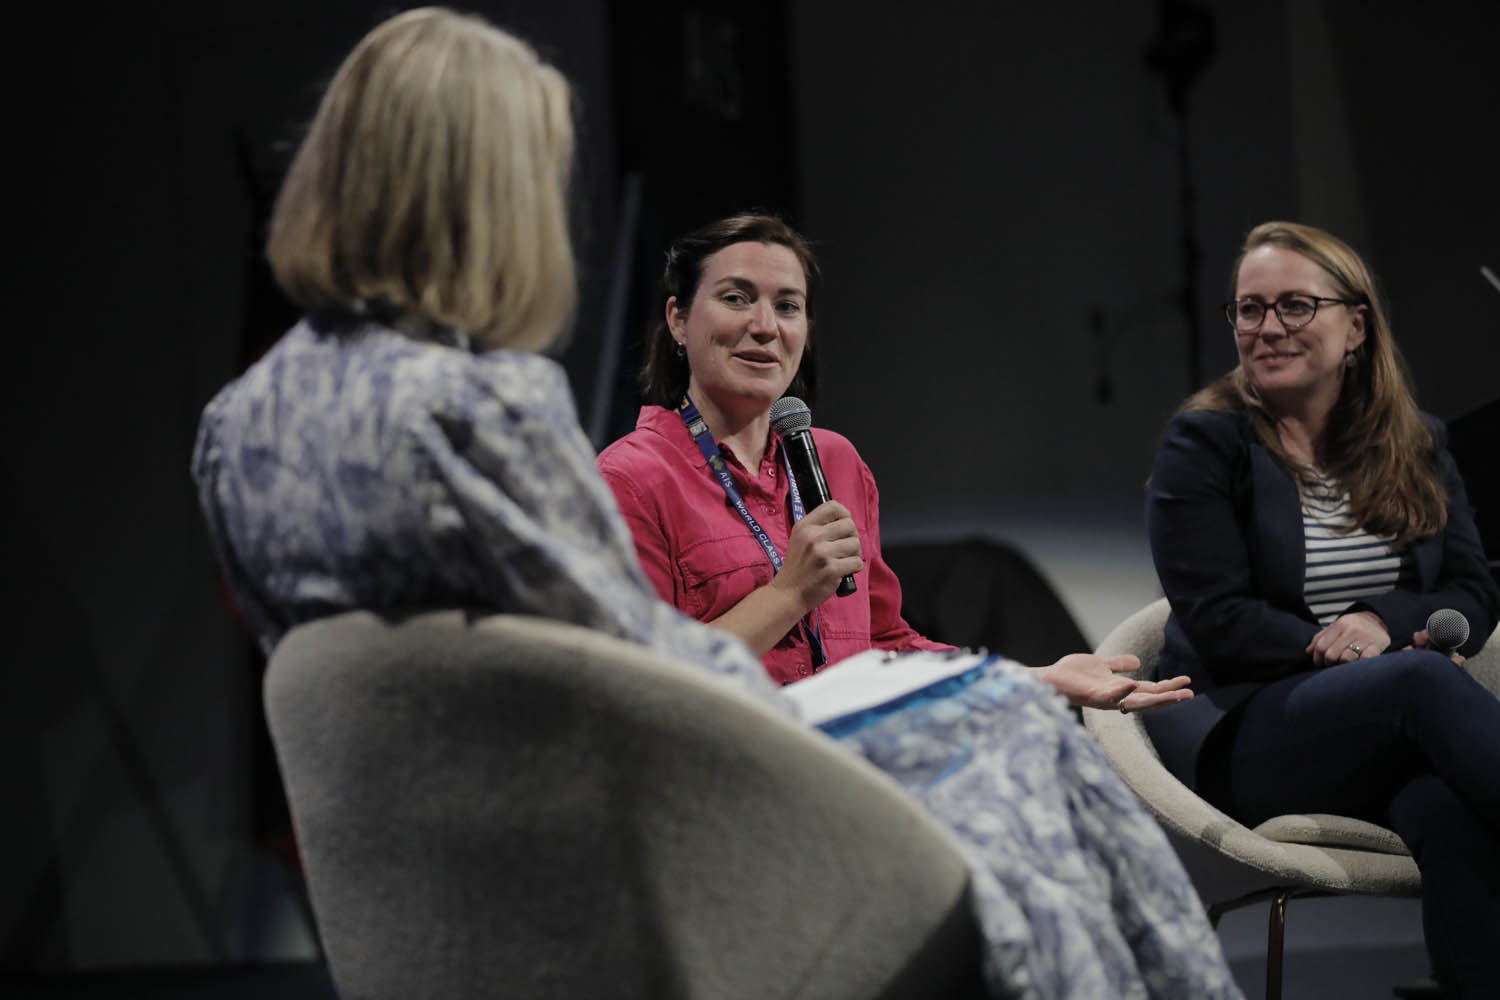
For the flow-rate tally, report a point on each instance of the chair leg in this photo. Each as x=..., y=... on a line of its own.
x=1274, y=940
x=1279, y=896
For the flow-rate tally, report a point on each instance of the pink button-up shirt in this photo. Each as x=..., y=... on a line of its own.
x=701, y=557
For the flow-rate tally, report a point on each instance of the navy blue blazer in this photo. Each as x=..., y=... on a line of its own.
x=1225, y=524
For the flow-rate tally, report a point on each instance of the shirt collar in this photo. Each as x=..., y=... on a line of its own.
x=668, y=424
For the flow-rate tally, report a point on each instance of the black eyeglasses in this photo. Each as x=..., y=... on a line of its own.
x=1294, y=309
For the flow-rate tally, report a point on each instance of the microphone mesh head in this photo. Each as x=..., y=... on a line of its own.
x=789, y=415
x=1447, y=629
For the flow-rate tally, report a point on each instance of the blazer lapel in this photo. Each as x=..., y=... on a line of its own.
x=1280, y=548
x=1429, y=556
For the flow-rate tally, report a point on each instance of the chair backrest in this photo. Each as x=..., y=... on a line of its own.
x=506, y=806
x=1485, y=664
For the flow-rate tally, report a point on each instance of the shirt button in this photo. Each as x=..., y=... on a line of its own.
x=801, y=670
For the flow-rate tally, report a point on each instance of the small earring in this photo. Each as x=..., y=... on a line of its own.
x=681, y=351
x=1348, y=359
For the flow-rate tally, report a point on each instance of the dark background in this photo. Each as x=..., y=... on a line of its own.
x=998, y=195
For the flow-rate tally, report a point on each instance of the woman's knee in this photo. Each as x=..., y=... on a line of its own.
x=1418, y=661
x=1415, y=675
x=1439, y=826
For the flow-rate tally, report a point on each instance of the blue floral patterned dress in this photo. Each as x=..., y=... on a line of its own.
x=357, y=466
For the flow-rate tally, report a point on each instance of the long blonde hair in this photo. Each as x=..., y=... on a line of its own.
x=433, y=181
x=1377, y=446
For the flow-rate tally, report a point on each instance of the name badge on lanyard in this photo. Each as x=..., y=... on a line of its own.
x=696, y=426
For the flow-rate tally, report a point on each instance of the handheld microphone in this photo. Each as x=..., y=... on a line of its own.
x=1447, y=629
x=792, y=420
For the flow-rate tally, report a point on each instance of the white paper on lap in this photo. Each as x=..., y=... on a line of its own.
x=875, y=677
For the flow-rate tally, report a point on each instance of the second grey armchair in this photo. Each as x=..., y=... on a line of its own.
x=1286, y=856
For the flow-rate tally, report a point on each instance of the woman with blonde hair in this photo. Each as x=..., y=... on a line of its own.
x=1305, y=521
x=422, y=225
x=370, y=216
x=403, y=448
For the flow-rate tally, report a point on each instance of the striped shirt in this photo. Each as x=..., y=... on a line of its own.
x=1344, y=562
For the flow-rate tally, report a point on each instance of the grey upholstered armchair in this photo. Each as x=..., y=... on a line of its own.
x=507, y=806
x=1285, y=857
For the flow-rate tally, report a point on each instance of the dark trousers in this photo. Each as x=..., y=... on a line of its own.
x=1408, y=740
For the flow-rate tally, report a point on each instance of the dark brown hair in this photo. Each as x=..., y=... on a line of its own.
x=664, y=376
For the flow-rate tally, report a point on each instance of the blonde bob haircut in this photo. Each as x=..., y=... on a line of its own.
x=1377, y=445
x=433, y=183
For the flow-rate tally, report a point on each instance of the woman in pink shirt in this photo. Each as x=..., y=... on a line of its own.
x=725, y=541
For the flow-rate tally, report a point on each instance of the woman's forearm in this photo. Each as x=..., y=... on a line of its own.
x=763, y=617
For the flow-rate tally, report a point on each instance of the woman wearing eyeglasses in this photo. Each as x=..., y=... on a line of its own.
x=1305, y=520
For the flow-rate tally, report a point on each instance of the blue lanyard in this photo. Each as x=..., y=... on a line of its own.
x=698, y=428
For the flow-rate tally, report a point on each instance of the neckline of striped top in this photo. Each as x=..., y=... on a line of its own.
x=1345, y=563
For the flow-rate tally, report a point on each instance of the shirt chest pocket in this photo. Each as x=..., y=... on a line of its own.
x=717, y=573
